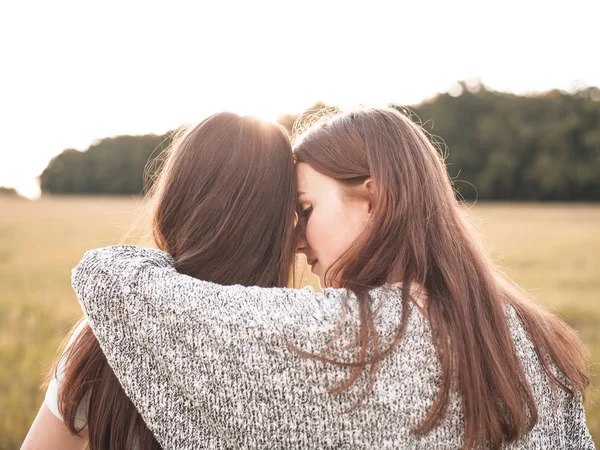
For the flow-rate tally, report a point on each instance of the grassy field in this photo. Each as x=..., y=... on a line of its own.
x=551, y=250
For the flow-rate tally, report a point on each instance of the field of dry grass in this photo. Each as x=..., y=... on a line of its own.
x=551, y=250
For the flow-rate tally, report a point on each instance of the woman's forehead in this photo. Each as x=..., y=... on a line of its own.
x=310, y=182
x=304, y=177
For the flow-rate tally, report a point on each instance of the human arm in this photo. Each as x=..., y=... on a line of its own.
x=127, y=280
x=175, y=342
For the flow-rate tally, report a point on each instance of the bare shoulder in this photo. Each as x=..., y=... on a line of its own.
x=49, y=432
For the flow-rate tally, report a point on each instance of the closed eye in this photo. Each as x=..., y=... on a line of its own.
x=306, y=212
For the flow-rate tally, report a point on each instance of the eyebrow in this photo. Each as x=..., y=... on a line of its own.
x=300, y=193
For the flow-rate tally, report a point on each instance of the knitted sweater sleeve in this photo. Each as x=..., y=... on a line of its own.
x=173, y=340
x=115, y=284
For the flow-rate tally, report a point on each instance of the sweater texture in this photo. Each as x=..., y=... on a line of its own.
x=208, y=366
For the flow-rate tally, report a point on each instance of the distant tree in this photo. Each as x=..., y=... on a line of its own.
x=110, y=166
x=289, y=121
x=497, y=146
x=543, y=147
x=8, y=192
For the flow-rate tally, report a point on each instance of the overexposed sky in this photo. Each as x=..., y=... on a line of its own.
x=74, y=71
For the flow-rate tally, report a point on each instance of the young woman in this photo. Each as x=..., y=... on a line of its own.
x=224, y=209
x=420, y=341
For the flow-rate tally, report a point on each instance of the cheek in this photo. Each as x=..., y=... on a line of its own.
x=329, y=234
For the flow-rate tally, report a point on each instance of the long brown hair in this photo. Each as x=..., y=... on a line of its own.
x=223, y=206
x=419, y=232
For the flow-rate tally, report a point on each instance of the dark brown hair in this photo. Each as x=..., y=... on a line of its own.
x=224, y=208
x=422, y=235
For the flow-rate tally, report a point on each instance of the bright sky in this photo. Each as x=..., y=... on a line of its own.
x=74, y=71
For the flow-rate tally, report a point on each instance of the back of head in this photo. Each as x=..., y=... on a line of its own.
x=418, y=232
x=224, y=208
x=225, y=202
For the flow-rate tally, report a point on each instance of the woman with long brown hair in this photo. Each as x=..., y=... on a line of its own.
x=224, y=208
x=419, y=341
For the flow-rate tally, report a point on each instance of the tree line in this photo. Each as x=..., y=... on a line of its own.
x=497, y=146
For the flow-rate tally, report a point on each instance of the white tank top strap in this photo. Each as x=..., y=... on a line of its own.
x=51, y=398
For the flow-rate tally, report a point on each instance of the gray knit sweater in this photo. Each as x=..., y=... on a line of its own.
x=207, y=366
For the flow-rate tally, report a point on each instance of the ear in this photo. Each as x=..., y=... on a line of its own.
x=368, y=188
